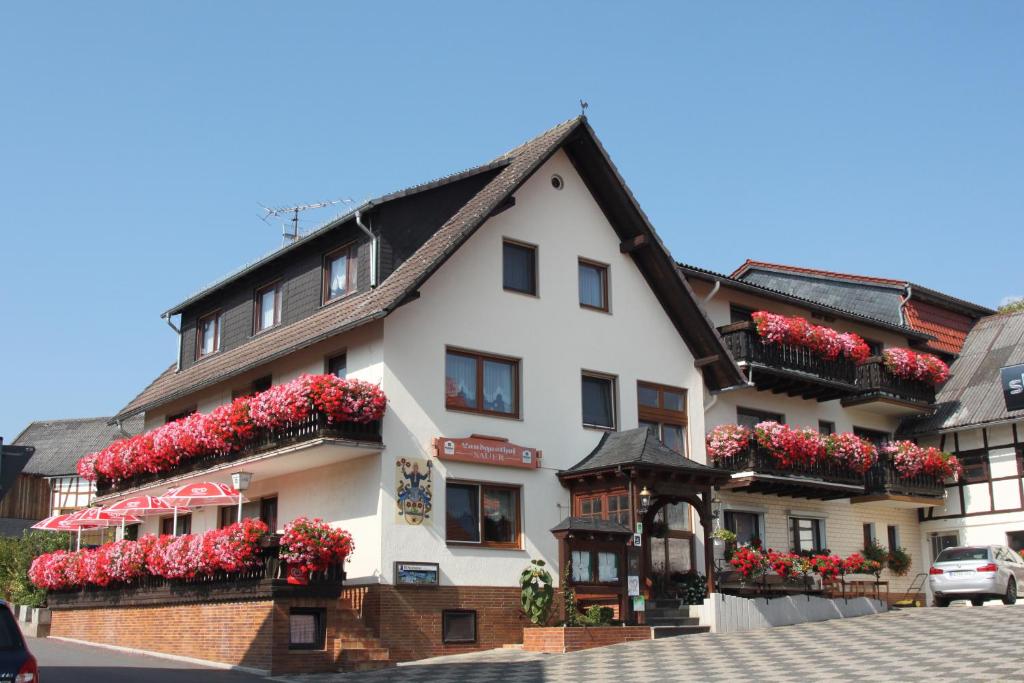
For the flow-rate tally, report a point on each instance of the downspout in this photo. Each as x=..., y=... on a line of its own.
x=177, y=359
x=910, y=293
x=713, y=292
x=373, y=248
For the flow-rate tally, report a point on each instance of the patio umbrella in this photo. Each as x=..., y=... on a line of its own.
x=202, y=493
x=141, y=506
x=54, y=523
x=96, y=518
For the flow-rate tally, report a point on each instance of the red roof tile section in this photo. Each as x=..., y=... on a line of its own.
x=949, y=329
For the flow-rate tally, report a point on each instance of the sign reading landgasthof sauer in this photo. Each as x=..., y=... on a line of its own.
x=1012, y=379
x=486, y=450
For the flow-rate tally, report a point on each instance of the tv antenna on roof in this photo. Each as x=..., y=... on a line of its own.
x=292, y=234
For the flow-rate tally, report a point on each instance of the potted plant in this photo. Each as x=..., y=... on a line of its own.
x=899, y=561
x=536, y=592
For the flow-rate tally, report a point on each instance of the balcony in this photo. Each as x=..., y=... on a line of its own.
x=789, y=369
x=267, y=581
x=880, y=391
x=884, y=484
x=307, y=444
x=756, y=471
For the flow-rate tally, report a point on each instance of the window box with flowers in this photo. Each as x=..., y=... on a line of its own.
x=311, y=406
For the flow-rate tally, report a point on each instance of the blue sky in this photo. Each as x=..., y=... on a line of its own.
x=138, y=139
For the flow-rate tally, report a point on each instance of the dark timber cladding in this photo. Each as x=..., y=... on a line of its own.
x=417, y=256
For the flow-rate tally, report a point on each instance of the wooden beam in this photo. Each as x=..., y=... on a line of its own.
x=706, y=360
x=634, y=243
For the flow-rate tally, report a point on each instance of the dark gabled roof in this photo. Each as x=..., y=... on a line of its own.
x=637, y=447
x=593, y=525
x=516, y=166
x=60, y=444
x=870, y=299
x=973, y=396
x=329, y=225
x=768, y=292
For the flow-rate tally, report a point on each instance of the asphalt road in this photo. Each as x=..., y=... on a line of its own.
x=61, y=662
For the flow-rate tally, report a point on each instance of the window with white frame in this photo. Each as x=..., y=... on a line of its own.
x=806, y=534
x=746, y=525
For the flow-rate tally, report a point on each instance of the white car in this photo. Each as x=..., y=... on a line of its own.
x=976, y=573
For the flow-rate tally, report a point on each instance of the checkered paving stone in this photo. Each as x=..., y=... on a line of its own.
x=925, y=644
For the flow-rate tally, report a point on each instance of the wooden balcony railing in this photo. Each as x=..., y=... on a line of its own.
x=804, y=371
x=757, y=460
x=267, y=580
x=313, y=427
x=883, y=478
x=875, y=380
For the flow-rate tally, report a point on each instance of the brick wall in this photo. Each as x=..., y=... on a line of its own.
x=249, y=633
x=558, y=640
x=238, y=633
x=407, y=619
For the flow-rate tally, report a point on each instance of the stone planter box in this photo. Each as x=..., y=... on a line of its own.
x=561, y=639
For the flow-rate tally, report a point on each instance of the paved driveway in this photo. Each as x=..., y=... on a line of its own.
x=61, y=662
x=926, y=644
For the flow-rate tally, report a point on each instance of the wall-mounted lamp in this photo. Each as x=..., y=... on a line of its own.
x=645, y=500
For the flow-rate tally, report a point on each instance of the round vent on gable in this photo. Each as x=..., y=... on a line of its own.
x=557, y=182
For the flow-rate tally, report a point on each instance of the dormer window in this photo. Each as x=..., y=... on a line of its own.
x=208, y=335
x=268, y=307
x=339, y=273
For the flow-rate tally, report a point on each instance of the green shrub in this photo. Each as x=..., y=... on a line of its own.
x=899, y=561
x=16, y=555
x=596, y=615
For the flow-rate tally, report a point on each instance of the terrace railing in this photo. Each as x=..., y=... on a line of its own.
x=874, y=379
x=316, y=426
x=265, y=580
x=745, y=344
x=884, y=478
x=757, y=460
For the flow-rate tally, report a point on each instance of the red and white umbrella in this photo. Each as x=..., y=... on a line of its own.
x=204, y=493
x=141, y=506
x=96, y=518
x=54, y=523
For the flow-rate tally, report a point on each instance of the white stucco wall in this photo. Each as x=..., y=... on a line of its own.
x=464, y=305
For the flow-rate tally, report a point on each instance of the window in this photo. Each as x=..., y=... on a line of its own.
x=893, y=537
x=267, y=307
x=339, y=273
x=227, y=515
x=825, y=427
x=268, y=513
x=477, y=383
x=869, y=534
x=874, y=347
x=975, y=467
x=806, y=535
x=256, y=386
x=598, y=397
x=180, y=415
x=748, y=417
x=610, y=505
x=131, y=532
x=595, y=566
x=184, y=525
x=873, y=435
x=593, y=285
x=458, y=626
x=208, y=335
x=519, y=267
x=1014, y=539
x=740, y=314
x=338, y=366
x=483, y=514
x=746, y=526
x=662, y=409
x=941, y=541
x=307, y=629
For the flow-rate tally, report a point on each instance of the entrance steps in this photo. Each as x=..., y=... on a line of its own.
x=358, y=649
x=668, y=618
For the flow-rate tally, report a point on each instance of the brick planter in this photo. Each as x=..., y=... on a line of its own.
x=559, y=639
